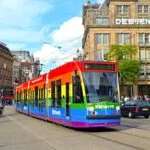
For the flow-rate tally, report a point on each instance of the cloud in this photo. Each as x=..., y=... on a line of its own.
x=100, y=1
x=20, y=21
x=68, y=30
x=21, y=13
x=47, y=52
x=68, y=37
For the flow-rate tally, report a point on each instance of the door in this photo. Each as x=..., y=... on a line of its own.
x=67, y=100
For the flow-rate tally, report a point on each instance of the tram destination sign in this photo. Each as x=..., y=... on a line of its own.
x=132, y=21
x=110, y=67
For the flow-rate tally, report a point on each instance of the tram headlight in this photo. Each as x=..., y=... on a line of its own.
x=94, y=113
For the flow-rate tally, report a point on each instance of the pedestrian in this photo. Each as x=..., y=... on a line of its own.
x=122, y=99
x=126, y=98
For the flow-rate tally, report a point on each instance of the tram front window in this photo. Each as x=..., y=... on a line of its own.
x=101, y=87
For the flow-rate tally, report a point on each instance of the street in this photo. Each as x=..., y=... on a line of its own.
x=20, y=132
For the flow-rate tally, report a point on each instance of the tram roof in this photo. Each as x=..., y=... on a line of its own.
x=71, y=66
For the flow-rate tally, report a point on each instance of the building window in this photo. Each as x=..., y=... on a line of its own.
x=123, y=38
x=102, y=21
x=143, y=9
x=145, y=55
x=148, y=55
x=102, y=54
x=148, y=69
x=144, y=38
x=122, y=9
x=102, y=39
x=142, y=54
x=99, y=55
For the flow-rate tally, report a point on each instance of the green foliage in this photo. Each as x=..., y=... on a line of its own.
x=119, y=52
x=129, y=70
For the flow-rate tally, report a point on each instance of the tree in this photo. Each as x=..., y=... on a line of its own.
x=129, y=70
x=120, y=52
x=125, y=55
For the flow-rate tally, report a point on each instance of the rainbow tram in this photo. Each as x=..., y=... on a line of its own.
x=78, y=94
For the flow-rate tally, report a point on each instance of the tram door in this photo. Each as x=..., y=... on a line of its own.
x=67, y=100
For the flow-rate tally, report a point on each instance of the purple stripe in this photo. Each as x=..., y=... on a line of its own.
x=82, y=124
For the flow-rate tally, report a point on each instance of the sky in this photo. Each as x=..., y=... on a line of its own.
x=51, y=30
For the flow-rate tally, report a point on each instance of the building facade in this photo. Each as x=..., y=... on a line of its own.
x=6, y=66
x=25, y=67
x=118, y=22
x=6, y=71
x=16, y=72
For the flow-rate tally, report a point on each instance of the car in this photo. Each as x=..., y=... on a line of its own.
x=133, y=108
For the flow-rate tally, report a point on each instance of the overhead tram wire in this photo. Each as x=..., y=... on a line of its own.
x=65, y=45
x=70, y=41
x=69, y=44
x=60, y=60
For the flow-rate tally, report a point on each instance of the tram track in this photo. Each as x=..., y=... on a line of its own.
x=128, y=126
x=115, y=141
x=130, y=137
x=135, y=135
x=106, y=137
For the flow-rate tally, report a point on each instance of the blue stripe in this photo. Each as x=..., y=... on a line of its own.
x=76, y=115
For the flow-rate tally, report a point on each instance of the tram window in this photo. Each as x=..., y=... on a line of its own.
x=77, y=90
x=53, y=93
x=44, y=94
x=32, y=99
x=25, y=97
x=36, y=96
x=41, y=94
x=58, y=82
x=40, y=100
x=21, y=96
x=18, y=97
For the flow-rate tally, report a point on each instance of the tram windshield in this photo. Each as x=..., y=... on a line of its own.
x=101, y=87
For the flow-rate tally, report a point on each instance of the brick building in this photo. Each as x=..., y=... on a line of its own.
x=6, y=66
x=119, y=22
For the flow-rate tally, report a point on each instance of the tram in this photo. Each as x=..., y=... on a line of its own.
x=78, y=94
